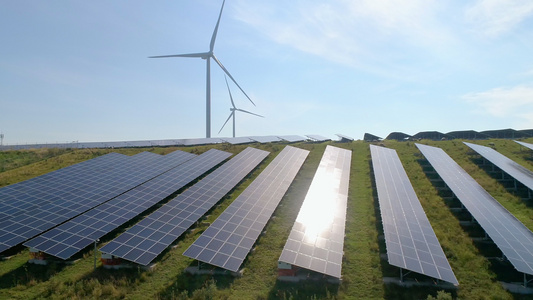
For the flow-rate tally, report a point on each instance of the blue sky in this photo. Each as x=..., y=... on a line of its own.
x=78, y=70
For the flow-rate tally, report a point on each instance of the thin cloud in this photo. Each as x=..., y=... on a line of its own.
x=496, y=17
x=395, y=39
x=504, y=102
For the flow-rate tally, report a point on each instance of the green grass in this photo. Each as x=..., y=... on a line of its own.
x=363, y=269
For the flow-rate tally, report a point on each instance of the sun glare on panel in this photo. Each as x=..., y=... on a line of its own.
x=314, y=215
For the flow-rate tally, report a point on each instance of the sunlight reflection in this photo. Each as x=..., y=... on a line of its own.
x=318, y=210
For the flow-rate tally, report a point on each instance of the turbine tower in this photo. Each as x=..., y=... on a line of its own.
x=207, y=56
x=233, y=109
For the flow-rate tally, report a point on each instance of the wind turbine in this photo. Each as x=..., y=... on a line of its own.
x=233, y=110
x=207, y=56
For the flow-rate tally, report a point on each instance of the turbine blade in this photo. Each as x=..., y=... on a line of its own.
x=230, y=97
x=231, y=77
x=213, y=38
x=231, y=114
x=245, y=111
x=202, y=55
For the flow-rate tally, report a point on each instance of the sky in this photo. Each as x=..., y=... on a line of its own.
x=79, y=70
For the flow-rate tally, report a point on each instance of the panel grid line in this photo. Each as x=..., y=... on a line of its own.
x=78, y=233
x=513, y=169
x=511, y=236
x=410, y=240
x=132, y=172
x=183, y=211
x=316, y=240
x=228, y=240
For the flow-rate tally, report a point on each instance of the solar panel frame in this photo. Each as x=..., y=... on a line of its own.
x=69, y=238
x=527, y=145
x=238, y=140
x=292, y=138
x=30, y=194
x=409, y=237
x=136, y=170
x=183, y=211
x=238, y=227
x=513, y=169
x=318, y=138
x=509, y=234
x=199, y=141
x=265, y=139
x=345, y=137
x=316, y=240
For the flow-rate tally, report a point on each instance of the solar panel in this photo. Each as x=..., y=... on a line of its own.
x=316, y=240
x=228, y=240
x=318, y=138
x=292, y=138
x=510, y=167
x=410, y=239
x=344, y=137
x=143, y=242
x=71, y=237
x=513, y=238
x=200, y=141
x=265, y=139
x=30, y=194
x=527, y=145
x=136, y=170
x=238, y=140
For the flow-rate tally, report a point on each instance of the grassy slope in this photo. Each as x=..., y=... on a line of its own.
x=362, y=269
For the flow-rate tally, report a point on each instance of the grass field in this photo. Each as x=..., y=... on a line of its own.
x=363, y=269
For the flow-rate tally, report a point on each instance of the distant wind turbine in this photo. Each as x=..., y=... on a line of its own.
x=233, y=109
x=207, y=56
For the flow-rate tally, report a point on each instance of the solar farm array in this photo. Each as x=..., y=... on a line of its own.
x=17, y=211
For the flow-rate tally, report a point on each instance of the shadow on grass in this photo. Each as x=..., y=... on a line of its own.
x=303, y=290
x=502, y=268
x=203, y=286
x=512, y=186
x=28, y=274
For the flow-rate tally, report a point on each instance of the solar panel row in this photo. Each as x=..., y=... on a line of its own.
x=265, y=139
x=510, y=167
x=169, y=222
x=228, y=240
x=511, y=236
x=317, y=138
x=292, y=138
x=238, y=140
x=410, y=239
x=132, y=172
x=63, y=183
x=146, y=143
x=71, y=237
x=527, y=145
x=344, y=137
x=317, y=238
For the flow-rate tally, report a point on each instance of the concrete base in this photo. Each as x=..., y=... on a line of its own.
x=517, y=288
x=411, y=283
x=213, y=271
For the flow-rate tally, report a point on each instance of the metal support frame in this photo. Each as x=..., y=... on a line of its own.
x=403, y=275
x=95, y=241
x=526, y=281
